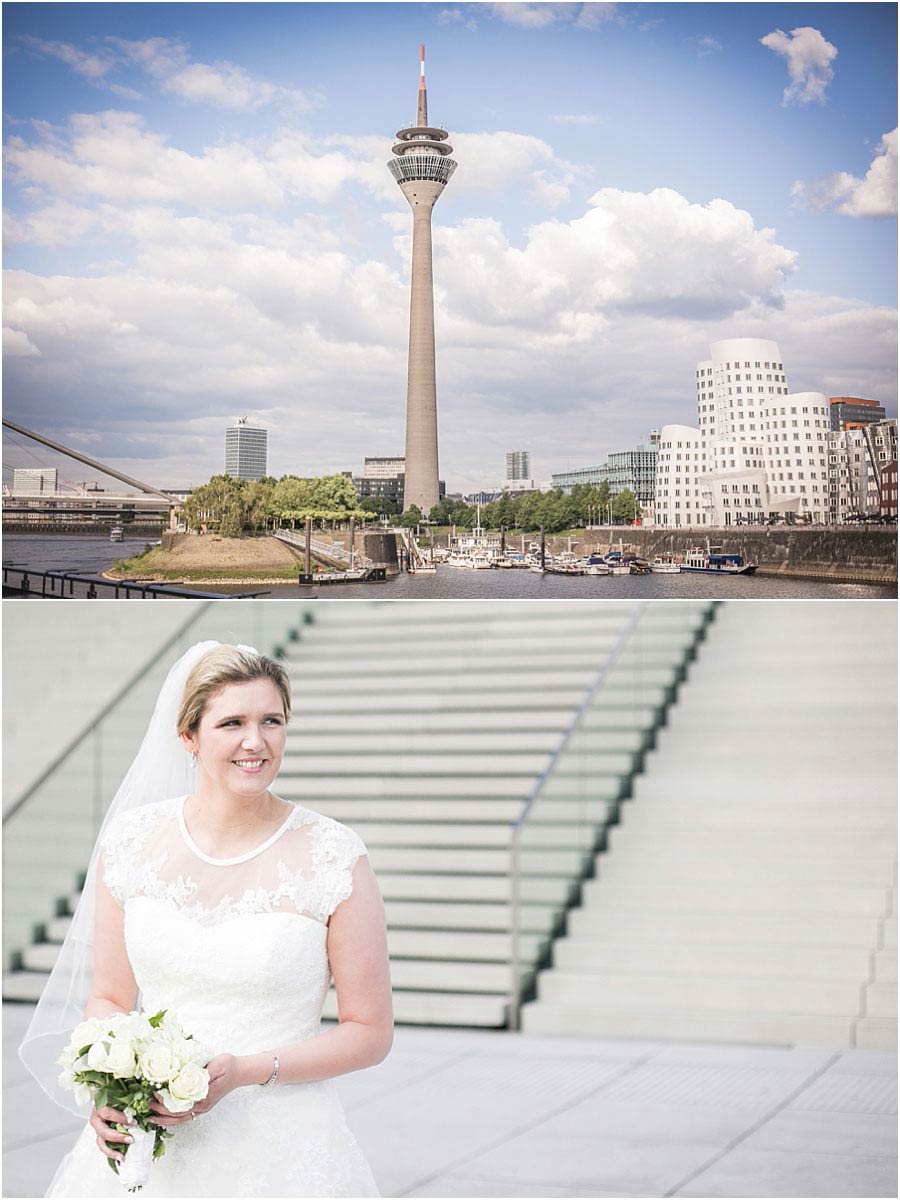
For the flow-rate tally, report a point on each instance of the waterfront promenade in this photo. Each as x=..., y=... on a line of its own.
x=462, y=1114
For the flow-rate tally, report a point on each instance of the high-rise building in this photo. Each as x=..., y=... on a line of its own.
x=35, y=480
x=383, y=467
x=421, y=166
x=764, y=450
x=847, y=411
x=518, y=465
x=245, y=451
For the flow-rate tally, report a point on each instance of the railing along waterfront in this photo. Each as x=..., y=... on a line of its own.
x=578, y=795
x=25, y=582
x=49, y=830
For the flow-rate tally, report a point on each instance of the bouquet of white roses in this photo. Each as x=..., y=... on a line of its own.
x=123, y=1061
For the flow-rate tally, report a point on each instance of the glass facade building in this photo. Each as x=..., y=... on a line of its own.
x=245, y=451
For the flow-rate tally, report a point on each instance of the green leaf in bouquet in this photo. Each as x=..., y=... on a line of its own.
x=156, y=1020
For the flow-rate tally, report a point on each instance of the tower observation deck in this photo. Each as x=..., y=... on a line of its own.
x=422, y=167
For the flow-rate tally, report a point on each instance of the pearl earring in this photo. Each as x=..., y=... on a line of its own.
x=193, y=759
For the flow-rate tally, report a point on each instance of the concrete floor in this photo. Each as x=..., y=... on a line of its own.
x=462, y=1114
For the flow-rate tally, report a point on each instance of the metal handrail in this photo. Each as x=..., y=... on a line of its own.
x=516, y=828
x=126, y=688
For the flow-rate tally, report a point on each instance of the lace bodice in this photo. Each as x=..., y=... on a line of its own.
x=237, y=948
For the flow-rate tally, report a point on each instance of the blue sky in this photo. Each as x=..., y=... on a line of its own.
x=199, y=223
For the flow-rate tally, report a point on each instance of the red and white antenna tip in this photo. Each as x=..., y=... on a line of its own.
x=421, y=66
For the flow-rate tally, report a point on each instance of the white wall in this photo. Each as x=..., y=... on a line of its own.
x=62, y=662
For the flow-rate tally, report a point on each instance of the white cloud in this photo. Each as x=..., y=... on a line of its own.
x=542, y=14
x=16, y=344
x=705, y=44
x=809, y=58
x=656, y=253
x=56, y=224
x=93, y=67
x=456, y=16
x=873, y=196
x=222, y=84
x=112, y=156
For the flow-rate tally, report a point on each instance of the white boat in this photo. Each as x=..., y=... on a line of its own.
x=597, y=569
x=477, y=549
x=117, y=533
x=665, y=563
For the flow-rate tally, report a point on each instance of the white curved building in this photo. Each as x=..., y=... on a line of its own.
x=765, y=450
x=680, y=468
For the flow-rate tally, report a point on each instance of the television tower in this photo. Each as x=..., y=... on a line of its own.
x=422, y=167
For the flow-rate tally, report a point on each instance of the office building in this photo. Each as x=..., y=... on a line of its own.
x=31, y=480
x=245, y=451
x=862, y=471
x=383, y=467
x=633, y=470
x=847, y=411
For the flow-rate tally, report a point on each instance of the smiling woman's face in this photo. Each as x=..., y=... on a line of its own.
x=240, y=739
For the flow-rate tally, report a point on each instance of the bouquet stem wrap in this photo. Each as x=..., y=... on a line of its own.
x=134, y=1170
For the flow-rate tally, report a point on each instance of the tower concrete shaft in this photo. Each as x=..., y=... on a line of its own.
x=421, y=167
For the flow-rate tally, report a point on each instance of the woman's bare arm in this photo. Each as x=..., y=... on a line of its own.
x=113, y=988
x=357, y=952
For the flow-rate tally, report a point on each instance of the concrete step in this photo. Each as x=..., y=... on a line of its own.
x=468, y=946
x=421, y=763
x=558, y=835
x=886, y=967
x=478, y=719
x=889, y=934
x=441, y=1009
x=23, y=986
x=639, y=924
x=739, y=959
x=449, y=976
x=504, y=744
x=449, y=887
x=758, y=995
x=786, y=790
x=571, y=652
x=881, y=1000
x=877, y=1034
x=472, y=916
x=739, y=899
x=630, y=867
x=815, y=1030
x=356, y=810
x=423, y=859
x=611, y=695
x=771, y=816
x=667, y=840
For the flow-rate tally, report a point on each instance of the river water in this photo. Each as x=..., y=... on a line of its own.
x=91, y=556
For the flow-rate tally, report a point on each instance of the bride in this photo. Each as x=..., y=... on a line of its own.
x=211, y=897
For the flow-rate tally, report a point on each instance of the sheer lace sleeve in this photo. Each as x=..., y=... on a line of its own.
x=122, y=843
x=335, y=850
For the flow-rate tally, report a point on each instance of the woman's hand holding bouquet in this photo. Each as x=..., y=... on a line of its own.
x=127, y=1064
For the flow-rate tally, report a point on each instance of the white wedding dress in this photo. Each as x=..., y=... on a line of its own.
x=236, y=950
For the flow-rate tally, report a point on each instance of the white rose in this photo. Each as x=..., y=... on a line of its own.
x=189, y=1085
x=172, y=1027
x=120, y=1060
x=157, y=1061
x=66, y=1080
x=85, y=1034
x=83, y=1095
x=96, y=1057
x=133, y=1026
x=188, y=1051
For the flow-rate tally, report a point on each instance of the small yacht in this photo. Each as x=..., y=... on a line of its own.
x=117, y=533
x=665, y=563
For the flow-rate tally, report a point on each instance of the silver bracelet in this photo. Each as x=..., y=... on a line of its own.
x=271, y=1080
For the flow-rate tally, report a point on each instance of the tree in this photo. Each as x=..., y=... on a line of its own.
x=625, y=506
x=411, y=517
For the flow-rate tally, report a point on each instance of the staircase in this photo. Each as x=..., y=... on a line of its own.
x=426, y=728
x=750, y=892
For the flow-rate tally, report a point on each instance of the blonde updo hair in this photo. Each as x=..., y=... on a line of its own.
x=227, y=665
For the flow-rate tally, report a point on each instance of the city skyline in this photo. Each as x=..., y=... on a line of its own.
x=200, y=221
